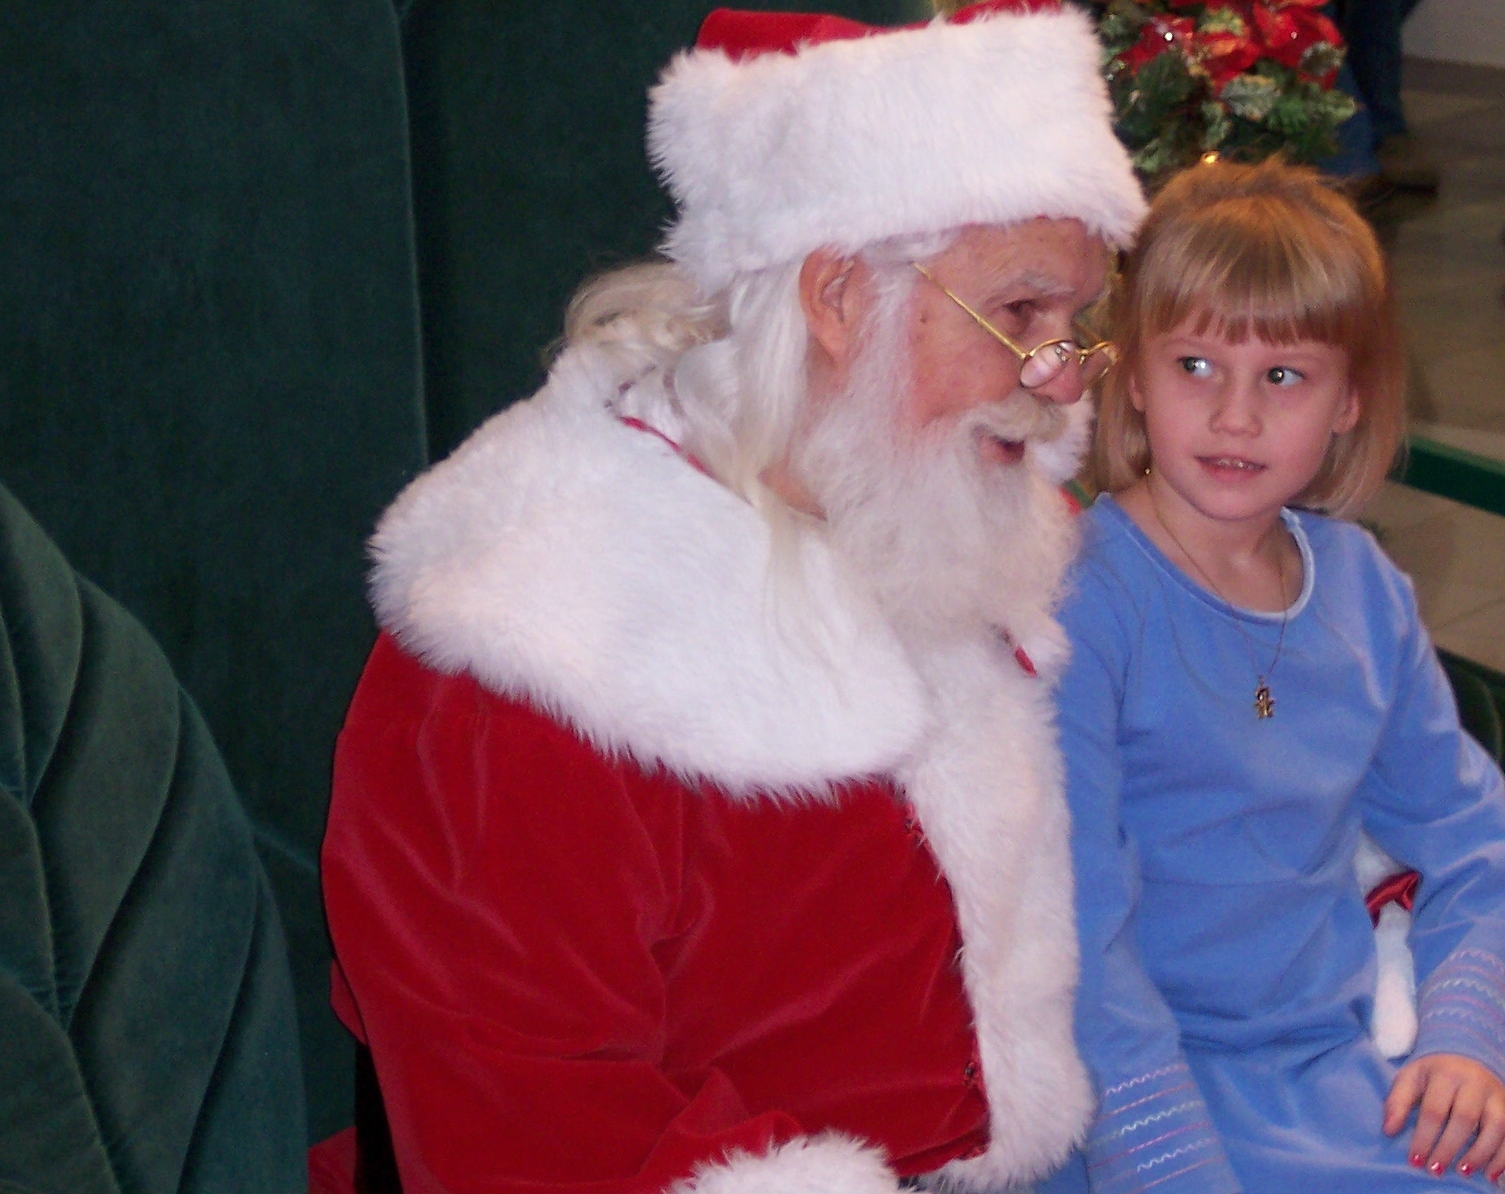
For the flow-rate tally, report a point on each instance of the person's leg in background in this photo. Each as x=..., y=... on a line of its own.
x=1354, y=160
x=1372, y=29
x=1354, y=163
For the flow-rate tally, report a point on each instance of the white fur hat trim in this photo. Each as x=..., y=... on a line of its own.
x=909, y=131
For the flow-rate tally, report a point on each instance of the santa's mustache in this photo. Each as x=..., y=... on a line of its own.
x=1019, y=418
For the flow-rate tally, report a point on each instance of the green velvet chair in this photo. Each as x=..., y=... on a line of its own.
x=1481, y=701
x=148, y=1038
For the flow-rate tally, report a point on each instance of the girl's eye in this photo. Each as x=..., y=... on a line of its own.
x=1281, y=375
x=1196, y=366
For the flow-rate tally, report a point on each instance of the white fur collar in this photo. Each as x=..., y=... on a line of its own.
x=565, y=557
x=989, y=791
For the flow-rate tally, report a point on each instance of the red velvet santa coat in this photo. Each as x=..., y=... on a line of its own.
x=632, y=883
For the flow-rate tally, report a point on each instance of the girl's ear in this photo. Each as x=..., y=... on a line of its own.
x=1347, y=417
x=1136, y=397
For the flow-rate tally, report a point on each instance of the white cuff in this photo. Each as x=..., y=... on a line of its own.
x=828, y=1164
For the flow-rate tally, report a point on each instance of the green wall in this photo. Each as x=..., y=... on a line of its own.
x=530, y=174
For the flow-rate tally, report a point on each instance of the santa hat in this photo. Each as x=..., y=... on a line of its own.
x=780, y=133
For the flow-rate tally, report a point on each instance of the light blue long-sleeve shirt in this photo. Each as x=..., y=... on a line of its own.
x=1228, y=965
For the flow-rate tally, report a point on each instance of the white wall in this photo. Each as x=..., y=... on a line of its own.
x=1457, y=31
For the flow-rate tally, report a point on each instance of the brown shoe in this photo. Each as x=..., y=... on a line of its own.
x=1406, y=164
x=1369, y=192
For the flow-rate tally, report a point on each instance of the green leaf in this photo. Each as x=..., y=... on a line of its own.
x=1320, y=58
x=1151, y=160
x=1290, y=118
x=1335, y=106
x=1216, y=125
x=1165, y=80
x=1133, y=15
x=1118, y=30
x=1251, y=96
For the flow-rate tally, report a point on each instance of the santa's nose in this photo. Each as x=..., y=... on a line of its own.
x=1064, y=388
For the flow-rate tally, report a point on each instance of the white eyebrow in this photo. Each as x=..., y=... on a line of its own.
x=1045, y=285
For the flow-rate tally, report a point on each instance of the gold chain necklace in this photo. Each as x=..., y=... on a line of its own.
x=1264, y=702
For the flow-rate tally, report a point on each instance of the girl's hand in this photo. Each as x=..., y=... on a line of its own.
x=1461, y=1100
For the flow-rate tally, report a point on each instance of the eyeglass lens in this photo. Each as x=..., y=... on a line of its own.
x=1049, y=359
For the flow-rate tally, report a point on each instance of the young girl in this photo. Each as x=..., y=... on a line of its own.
x=1250, y=689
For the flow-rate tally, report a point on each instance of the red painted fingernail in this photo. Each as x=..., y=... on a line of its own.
x=1418, y=1160
x=1465, y=1168
x=1497, y=1175
x=1436, y=1167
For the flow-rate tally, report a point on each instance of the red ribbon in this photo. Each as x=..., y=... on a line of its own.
x=1398, y=889
x=639, y=425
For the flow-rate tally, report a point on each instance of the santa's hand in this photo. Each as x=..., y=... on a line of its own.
x=1461, y=1100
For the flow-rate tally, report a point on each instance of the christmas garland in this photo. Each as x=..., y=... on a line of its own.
x=1241, y=78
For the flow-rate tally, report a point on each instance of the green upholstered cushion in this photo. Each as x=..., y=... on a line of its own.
x=146, y=1007
x=1480, y=692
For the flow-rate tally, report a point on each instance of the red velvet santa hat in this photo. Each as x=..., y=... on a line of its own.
x=779, y=133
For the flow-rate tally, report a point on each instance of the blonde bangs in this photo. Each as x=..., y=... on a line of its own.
x=1268, y=251
x=1252, y=265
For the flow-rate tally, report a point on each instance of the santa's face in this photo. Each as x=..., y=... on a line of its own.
x=946, y=536
x=1029, y=281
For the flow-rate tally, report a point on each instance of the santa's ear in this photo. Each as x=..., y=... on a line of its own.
x=831, y=296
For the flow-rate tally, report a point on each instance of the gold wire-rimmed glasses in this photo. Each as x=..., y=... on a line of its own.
x=1043, y=363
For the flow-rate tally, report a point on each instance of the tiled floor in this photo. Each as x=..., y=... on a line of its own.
x=1449, y=260
x=1456, y=556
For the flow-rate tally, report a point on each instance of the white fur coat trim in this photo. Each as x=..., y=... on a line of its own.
x=1393, y=1022
x=829, y=1164
x=1008, y=861
x=564, y=557
x=908, y=131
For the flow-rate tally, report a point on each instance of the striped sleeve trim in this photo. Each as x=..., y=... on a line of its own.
x=1153, y=1133
x=1462, y=1009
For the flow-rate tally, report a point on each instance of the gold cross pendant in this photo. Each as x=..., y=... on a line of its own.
x=1264, y=703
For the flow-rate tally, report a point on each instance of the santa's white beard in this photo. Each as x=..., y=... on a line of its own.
x=946, y=539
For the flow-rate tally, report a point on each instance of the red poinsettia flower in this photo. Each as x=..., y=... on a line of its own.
x=1224, y=56
x=1160, y=33
x=1288, y=28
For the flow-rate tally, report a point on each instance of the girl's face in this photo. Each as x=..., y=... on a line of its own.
x=1237, y=430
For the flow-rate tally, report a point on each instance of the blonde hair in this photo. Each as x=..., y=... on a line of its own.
x=1271, y=250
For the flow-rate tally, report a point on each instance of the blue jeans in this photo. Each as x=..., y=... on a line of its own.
x=1356, y=140
x=1372, y=30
